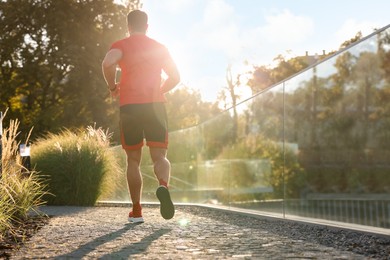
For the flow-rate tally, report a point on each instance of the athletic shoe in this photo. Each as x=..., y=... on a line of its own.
x=167, y=209
x=135, y=218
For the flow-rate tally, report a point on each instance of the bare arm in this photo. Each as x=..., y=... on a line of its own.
x=109, y=65
x=173, y=76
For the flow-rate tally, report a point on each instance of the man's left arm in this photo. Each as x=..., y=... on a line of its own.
x=109, y=65
x=173, y=74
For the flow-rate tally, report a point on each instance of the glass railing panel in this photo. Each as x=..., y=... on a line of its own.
x=337, y=114
x=200, y=173
x=118, y=190
x=213, y=169
x=183, y=153
x=254, y=157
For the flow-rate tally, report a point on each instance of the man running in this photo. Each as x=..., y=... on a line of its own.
x=142, y=110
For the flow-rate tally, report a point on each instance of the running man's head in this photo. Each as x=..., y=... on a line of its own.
x=137, y=21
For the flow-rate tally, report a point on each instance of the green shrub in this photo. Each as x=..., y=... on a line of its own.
x=21, y=190
x=79, y=166
x=286, y=176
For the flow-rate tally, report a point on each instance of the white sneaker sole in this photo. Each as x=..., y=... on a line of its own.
x=136, y=220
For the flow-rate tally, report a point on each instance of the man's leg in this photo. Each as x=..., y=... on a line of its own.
x=134, y=181
x=162, y=168
x=161, y=165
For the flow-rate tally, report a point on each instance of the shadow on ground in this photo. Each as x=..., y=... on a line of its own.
x=123, y=253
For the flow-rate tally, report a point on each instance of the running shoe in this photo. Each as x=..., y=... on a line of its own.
x=135, y=218
x=167, y=209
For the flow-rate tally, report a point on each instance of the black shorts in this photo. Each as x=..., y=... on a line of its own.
x=143, y=121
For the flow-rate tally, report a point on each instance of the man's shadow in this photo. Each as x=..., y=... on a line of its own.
x=134, y=248
x=137, y=247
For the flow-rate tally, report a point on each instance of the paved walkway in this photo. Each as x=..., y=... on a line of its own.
x=194, y=233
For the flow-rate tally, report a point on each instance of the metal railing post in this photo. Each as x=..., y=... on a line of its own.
x=24, y=151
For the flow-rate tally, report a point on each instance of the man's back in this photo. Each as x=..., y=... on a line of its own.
x=142, y=61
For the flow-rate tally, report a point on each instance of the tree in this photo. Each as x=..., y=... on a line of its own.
x=354, y=39
x=185, y=108
x=264, y=77
x=384, y=93
x=231, y=89
x=261, y=79
x=51, y=61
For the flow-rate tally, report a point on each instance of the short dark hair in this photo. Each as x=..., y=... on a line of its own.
x=137, y=20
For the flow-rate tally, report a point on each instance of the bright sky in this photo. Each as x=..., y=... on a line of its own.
x=204, y=36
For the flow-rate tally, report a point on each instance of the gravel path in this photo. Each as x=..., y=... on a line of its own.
x=194, y=233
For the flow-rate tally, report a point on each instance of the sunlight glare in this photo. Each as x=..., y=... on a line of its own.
x=184, y=222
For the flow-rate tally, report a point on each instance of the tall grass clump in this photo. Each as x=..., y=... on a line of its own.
x=21, y=190
x=78, y=165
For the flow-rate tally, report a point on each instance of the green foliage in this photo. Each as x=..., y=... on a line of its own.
x=79, y=166
x=21, y=190
x=6, y=212
x=286, y=176
x=348, y=179
x=116, y=184
x=215, y=135
x=354, y=39
x=185, y=145
x=185, y=108
x=264, y=77
x=51, y=58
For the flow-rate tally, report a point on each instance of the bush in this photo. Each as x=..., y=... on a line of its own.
x=286, y=176
x=21, y=190
x=79, y=166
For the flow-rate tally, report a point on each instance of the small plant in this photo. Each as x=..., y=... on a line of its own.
x=19, y=193
x=78, y=165
x=6, y=212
